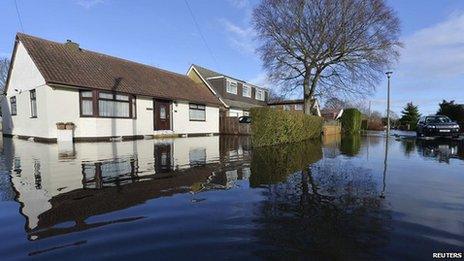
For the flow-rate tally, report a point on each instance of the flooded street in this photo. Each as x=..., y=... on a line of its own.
x=216, y=197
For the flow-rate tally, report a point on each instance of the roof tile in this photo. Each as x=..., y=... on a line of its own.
x=60, y=64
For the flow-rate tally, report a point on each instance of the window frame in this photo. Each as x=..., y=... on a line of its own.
x=132, y=101
x=197, y=109
x=260, y=91
x=228, y=83
x=33, y=103
x=15, y=106
x=249, y=89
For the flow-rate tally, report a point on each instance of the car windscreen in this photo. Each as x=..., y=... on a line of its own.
x=437, y=119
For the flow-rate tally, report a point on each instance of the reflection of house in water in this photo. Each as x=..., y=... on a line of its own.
x=58, y=196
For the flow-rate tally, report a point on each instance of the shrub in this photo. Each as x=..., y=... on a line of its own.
x=351, y=120
x=271, y=127
x=372, y=124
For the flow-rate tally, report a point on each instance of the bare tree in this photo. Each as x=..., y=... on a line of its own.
x=328, y=47
x=4, y=65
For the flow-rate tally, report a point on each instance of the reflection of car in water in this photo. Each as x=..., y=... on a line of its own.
x=441, y=149
x=437, y=125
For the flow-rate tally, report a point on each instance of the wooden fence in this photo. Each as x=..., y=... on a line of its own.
x=331, y=128
x=230, y=125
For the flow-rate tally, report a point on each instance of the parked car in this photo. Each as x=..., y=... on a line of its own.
x=437, y=126
x=244, y=119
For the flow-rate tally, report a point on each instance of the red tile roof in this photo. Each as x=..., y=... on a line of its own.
x=59, y=63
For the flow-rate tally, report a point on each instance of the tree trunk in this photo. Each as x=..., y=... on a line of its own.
x=309, y=92
x=307, y=96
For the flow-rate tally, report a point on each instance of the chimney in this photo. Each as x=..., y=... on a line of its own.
x=72, y=45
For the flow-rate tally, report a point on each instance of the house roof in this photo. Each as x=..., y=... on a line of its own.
x=240, y=104
x=282, y=102
x=207, y=73
x=69, y=65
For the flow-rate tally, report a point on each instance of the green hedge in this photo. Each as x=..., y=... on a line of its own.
x=351, y=120
x=271, y=127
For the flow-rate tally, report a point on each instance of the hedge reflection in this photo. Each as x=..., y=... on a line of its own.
x=350, y=144
x=272, y=164
x=330, y=210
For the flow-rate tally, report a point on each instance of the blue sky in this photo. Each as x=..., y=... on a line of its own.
x=163, y=34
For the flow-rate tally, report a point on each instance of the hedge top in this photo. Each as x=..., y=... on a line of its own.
x=270, y=126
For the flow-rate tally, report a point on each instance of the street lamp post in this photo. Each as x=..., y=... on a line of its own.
x=388, y=102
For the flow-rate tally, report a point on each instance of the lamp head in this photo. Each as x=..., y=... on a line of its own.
x=389, y=73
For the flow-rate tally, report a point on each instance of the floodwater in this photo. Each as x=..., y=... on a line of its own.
x=217, y=197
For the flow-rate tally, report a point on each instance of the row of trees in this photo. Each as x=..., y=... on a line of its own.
x=410, y=113
x=410, y=116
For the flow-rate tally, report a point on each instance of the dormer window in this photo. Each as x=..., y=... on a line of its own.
x=259, y=95
x=231, y=86
x=246, y=92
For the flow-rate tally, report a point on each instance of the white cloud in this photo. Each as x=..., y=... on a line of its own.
x=241, y=38
x=89, y=3
x=436, y=51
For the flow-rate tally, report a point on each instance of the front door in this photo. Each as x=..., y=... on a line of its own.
x=162, y=114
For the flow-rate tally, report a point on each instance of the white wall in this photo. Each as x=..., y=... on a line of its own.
x=235, y=113
x=182, y=124
x=24, y=77
x=64, y=107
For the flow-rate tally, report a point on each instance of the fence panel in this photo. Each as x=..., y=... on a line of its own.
x=231, y=125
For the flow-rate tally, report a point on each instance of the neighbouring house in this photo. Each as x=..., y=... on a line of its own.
x=330, y=115
x=294, y=105
x=103, y=96
x=237, y=96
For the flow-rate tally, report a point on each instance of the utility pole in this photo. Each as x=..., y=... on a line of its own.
x=388, y=102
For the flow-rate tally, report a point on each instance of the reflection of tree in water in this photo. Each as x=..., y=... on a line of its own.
x=331, y=210
x=350, y=144
x=409, y=145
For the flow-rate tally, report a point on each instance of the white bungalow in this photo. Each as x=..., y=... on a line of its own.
x=103, y=96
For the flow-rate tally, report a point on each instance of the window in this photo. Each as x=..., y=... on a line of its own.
x=33, y=99
x=298, y=107
x=246, y=92
x=107, y=105
x=259, y=95
x=287, y=107
x=13, y=105
x=162, y=113
x=231, y=87
x=197, y=112
x=87, y=103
